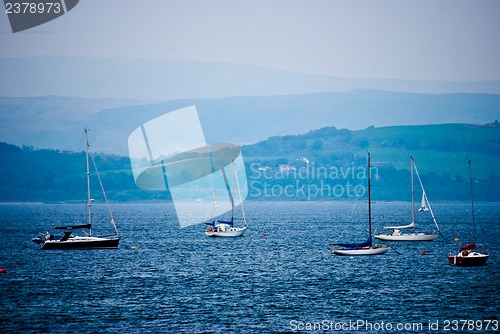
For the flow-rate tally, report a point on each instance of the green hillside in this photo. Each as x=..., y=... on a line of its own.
x=277, y=169
x=28, y=174
x=441, y=149
x=440, y=152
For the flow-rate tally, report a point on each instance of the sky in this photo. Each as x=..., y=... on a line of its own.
x=418, y=40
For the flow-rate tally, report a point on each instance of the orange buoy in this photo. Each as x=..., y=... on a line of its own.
x=3, y=270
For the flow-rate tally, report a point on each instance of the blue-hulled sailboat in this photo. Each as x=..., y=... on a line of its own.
x=367, y=247
x=226, y=228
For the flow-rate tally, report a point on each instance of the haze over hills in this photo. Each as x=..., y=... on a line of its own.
x=50, y=121
x=57, y=122
x=48, y=100
x=162, y=80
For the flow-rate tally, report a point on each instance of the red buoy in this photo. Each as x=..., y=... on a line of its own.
x=264, y=235
x=422, y=253
x=3, y=270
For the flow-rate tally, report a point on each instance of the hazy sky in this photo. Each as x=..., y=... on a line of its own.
x=424, y=39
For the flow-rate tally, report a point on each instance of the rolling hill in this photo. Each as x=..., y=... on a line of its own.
x=336, y=156
x=56, y=122
x=440, y=148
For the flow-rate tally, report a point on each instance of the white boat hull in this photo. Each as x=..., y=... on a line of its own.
x=229, y=233
x=407, y=237
x=361, y=251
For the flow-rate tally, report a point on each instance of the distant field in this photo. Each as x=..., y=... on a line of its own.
x=442, y=149
x=436, y=148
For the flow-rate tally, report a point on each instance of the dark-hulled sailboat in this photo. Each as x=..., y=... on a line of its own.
x=468, y=256
x=87, y=240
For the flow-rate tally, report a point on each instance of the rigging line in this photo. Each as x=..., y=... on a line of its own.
x=479, y=234
x=394, y=249
x=425, y=195
x=241, y=200
x=361, y=181
x=226, y=183
x=355, y=201
x=103, y=192
x=442, y=236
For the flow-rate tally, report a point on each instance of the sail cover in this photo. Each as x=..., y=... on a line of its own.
x=367, y=243
x=230, y=223
x=468, y=247
x=73, y=227
x=400, y=227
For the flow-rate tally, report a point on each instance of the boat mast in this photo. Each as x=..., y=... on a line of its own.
x=241, y=201
x=369, y=199
x=215, y=202
x=232, y=194
x=412, y=192
x=89, y=210
x=472, y=202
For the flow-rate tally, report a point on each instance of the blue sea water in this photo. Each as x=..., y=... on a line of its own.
x=279, y=277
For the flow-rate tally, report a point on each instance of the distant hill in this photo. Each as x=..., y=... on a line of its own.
x=57, y=122
x=277, y=168
x=162, y=80
x=440, y=149
x=28, y=175
x=330, y=163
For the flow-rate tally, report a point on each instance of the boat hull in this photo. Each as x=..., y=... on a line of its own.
x=361, y=251
x=470, y=260
x=407, y=237
x=231, y=233
x=82, y=243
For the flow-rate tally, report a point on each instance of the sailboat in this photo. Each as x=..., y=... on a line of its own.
x=367, y=247
x=468, y=256
x=396, y=234
x=423, y=206
x=87, y=240
x=223, y=228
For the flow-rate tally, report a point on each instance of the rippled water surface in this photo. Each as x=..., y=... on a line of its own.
x=276, y=277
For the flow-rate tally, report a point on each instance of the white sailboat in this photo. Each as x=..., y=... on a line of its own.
x=87, y=240
x=423, y=206
x=397, y=233
x=223, y=228
x=367, y=247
